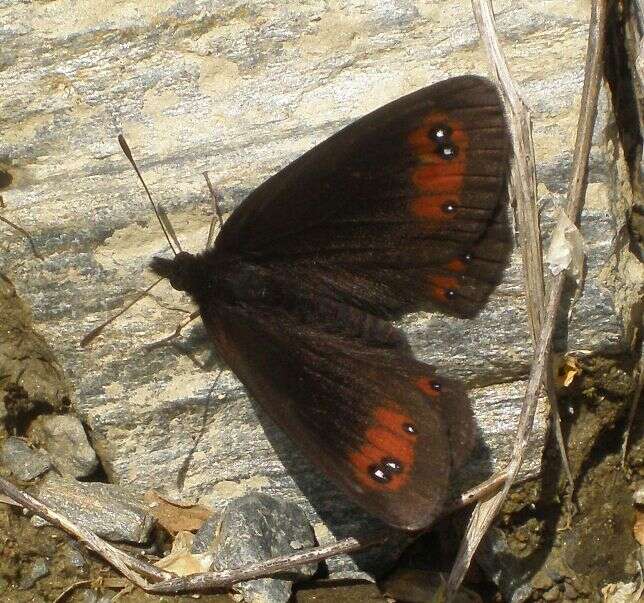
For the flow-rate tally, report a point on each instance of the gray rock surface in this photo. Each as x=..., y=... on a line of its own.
x=257, y=527
x=23, y=461
x=64, y=438
x=240, y=89
x=106, y=509
x=205, y=536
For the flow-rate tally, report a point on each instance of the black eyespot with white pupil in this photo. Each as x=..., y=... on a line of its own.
x=448, y=207
x=409, y=428
x=440, y=133
x=442, y=136
x=392, y=465
x=447, y=150
x=379, y=474
x=384, y=470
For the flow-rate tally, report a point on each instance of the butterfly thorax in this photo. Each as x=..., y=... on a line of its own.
x=185, y=271
x=277, y=291
x=211, y=277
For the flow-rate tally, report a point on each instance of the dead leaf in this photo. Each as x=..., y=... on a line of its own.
x=176, y=517
x=567, y=248
x=621, y=592
x=568, y=370
x=181, y=561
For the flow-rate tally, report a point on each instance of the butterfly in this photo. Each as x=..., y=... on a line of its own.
x=403, y=210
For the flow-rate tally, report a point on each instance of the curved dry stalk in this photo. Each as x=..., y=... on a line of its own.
x=486, y=511
x=271, y=567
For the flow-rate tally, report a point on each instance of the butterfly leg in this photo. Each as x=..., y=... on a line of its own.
x=166, y=340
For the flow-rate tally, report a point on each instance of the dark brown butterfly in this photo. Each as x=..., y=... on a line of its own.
x=403, y=209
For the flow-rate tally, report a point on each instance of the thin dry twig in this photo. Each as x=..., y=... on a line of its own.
x=523, y=179
x=25, y=234
x=487, y=488
x=118, y=559
x=556, y=423
x=136, y=570
x=637, y=396
x=486, y=511
x=70, y=589
x=271, y=567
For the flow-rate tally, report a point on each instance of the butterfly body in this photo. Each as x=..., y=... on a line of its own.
x=402, y=210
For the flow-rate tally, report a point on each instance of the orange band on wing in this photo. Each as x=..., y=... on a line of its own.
x=385, y=460
x=435, y=173
x=427, y=386
x=432, y=207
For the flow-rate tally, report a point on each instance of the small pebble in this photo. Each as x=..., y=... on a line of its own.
x=542, y=581
x=64, y=438
x=552, y=594
x=38, y=522
x=555, y=575
x=87, y=595
x=75, y=556
x=38, y=569
x=92, y=596
x=638, y=495
x=256, y=527
x=109, y=510
x=570, y=592
x=206, y=534
x=24, y=462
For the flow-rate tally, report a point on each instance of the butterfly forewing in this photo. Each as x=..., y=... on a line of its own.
x=411, y=197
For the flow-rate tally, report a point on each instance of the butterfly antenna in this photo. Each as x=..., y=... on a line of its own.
x=168, y=226
x=215, y=201
x=166, y=232
x=94, y=333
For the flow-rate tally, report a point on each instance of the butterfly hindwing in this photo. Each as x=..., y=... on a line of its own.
x=409, y=200
x=378, y=422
